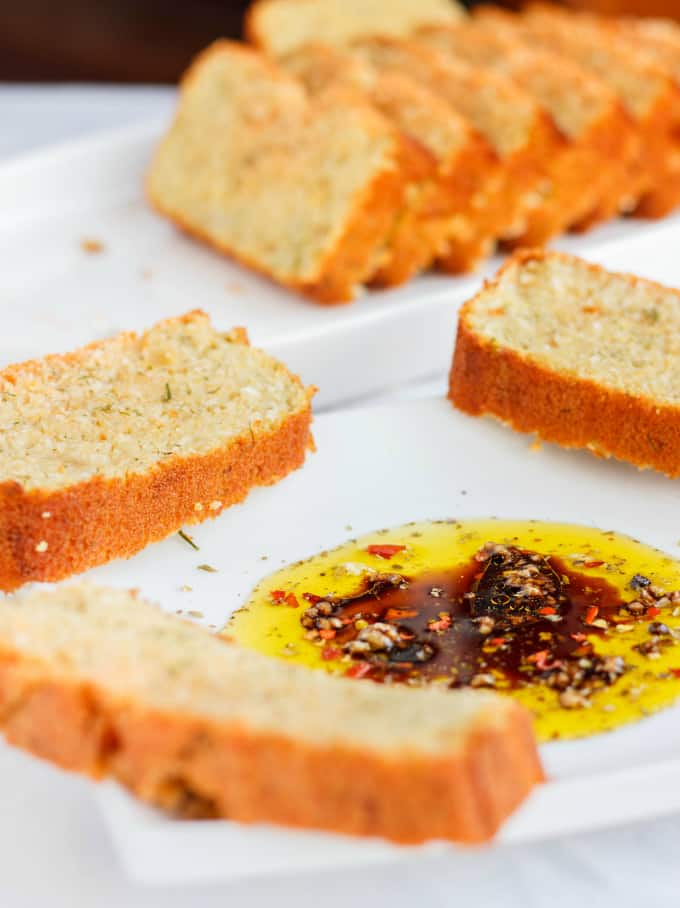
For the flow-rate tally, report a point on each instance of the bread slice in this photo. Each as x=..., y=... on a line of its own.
x=119, y=444
x=578, y=355
x=659, y=41
x=586, y=111
x=303, y=192
x=621, y=141
x=646, y=89
x=282, y=26
x=100, y=682
x=441, y=217
x=416, y=235
x=521, y=134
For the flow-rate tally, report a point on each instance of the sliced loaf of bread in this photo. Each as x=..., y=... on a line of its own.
x=521, y=134
x=442, y=218
x=578, y=355
x=416, y=236
x=100, y=682
x=647, y=91
x=306, y=193
x=282, y=26
x=622, y=143
x=659, y=41
x=117, y=445
x=585, y=109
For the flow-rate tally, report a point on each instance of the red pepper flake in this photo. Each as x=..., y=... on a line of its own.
x=541, y=661
x=538, y=657
x=497, y=641
x=328, y=653
x=358, y=670
x=312, y=597
x=579, y=638
x=327, y=635
x=592, y=614
x=385, y=551
x=281, y=596
x=653, y=611
x=585, y=650
x=394, y=614
x=675, y=672
x=592, y=564
x=442, y=624
x=547, y=610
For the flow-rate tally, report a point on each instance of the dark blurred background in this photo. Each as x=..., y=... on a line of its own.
x=145, y=40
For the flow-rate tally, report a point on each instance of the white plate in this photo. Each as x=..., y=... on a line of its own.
x=55, y=296
x=381, y=467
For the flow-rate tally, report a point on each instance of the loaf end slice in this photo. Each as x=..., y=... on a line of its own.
x=303, y=191
x=121, y=443
x=577, y=355
x=102, y=683
x=282, y=26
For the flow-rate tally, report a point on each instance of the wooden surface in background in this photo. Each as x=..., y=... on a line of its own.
x=146, y=40
x=109, y=40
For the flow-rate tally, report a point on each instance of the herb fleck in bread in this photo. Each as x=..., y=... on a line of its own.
x=304, y=192
x=282, y=26
x=117, y=445
x=102, y=683
x=577, y=355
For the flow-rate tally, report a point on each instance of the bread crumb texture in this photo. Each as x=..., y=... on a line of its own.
x=578, y=355
x=121, y=406
x=302, y=191
x=119, y=444
x=202, y=727
x=621, y=332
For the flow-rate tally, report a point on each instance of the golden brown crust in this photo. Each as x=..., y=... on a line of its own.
x=487, y=379
x=544, y=164
x=659, y=134
x=614, y=148
x=412, y=242
x=471, y=235
x=591, y=180
x=193, y=767
x=102, y=519
x=506, y=209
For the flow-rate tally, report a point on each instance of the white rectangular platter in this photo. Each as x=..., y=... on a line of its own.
x=373, y=468
x=54, y=294
x=380, y=467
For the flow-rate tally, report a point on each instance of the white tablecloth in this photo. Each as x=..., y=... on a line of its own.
x=54, y=849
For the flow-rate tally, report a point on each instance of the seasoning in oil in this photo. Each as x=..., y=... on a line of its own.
x=581, y=626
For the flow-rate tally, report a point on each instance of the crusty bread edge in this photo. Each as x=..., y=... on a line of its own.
x=350, y=262
x=488, y=379
x=252, y=33
x=195, y=767
x=95, y=521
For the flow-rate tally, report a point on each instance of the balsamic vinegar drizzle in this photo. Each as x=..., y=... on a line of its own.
x=580, y=625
